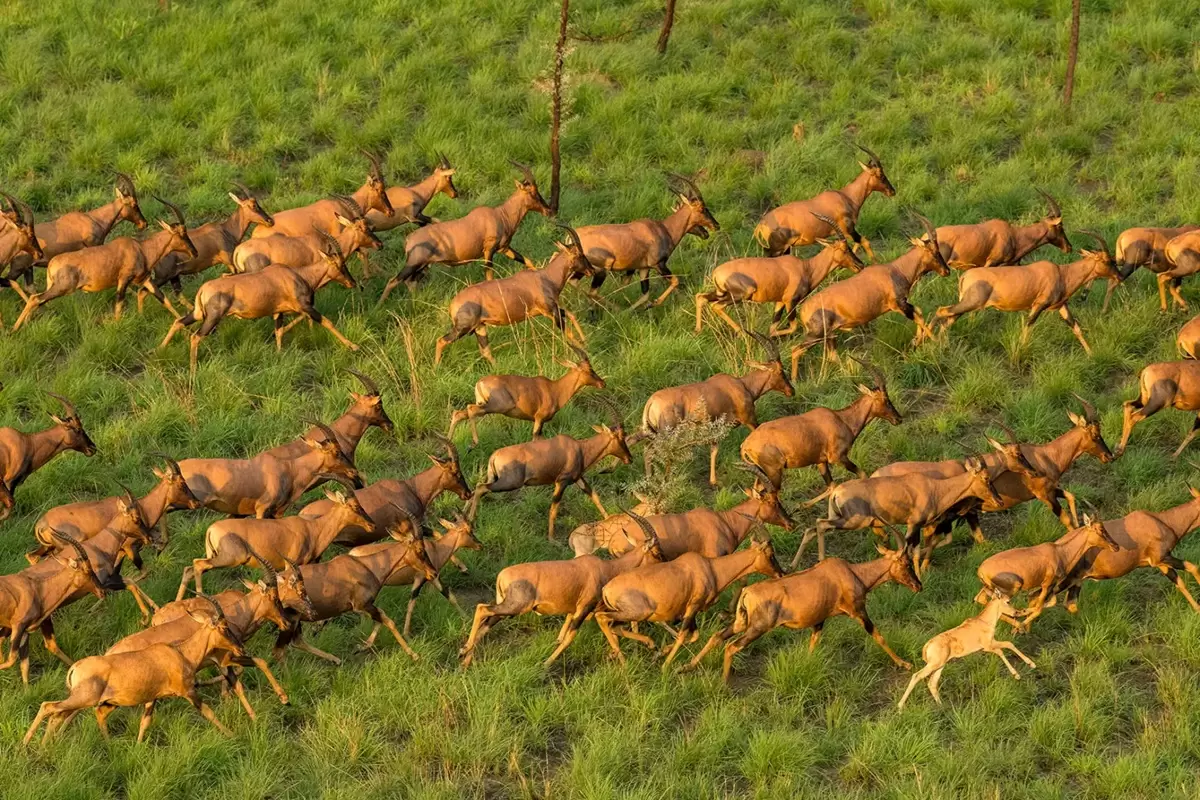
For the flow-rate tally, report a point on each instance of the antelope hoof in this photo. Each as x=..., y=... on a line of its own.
x=904, y=665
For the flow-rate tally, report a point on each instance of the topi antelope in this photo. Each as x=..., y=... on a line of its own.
x=797, y=224
x=558, y=462
x=140, y=678
x=322, y=215
x=1145, y=247
x=721, y=397
x=808, y=599
x=647, y=244
x=1183, y=259
x=977, y=634
x=604, y=534
x=1167, y=384
x=784, y=280
x=519, y=297
x=676, y=590
x=275, y=292
x=17, y=237
x=999, y=243
x=266, y=485
x=1037, y=287
x=819, y=437
x=366, y=411
x=483, y=232
x=408, y=202
x=530, y=398
x=571, y=588
x=863, y=298
x=22, y=454
x=355, y=235
x=215, y=243
x=78, y=229
x=1188, y=338
x=118, y=264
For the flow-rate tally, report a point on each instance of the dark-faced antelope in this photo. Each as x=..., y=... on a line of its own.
x=819, y=437
x=22, y=454
x=525, y=295
x=322, y=215
x=354, y=235
x=1167, y=384
x=558, y=462
x=530, y=398
x=646, y=244
x=571, y=588
x=796, y=224
x=868, y=295
x=483, y=232
x=118, y=264
x=721, y=397
x=808, y=599
x=998, y=243
x=366, y=411
x=1033, y=288
x=1145, y=247
x=408, y=202
x=17, y=237
x=784, y=280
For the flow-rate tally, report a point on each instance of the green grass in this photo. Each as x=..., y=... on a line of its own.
x=960, y=99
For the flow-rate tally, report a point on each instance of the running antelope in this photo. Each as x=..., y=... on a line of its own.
x=1145, y=247
x=647, y=244
x=1183, y=259
x=819, y=437
x=519, y=297
x=408, y=202
x=1034, y=288
x=558, y=462
x=322, y=215
x=366, y=411
x=809, y=599
x=999, y=243
x=796, y=224
x=571, y=588
x=1188, y=338
x=483, y=232
x=721, y=397
x=784, y=280
x=22, y=454
x=863, y=298
x=355, y=234
x=1166, y=384
x=118, y=264
x=530, y=398
x=605, y=533
x=17, y=237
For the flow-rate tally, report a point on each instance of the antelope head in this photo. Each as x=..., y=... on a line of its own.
x=1101, y=260
x=651, y=546
x=931, y=257
x=981, y=482
x=765, y=562
x=571, y=248
x=21, y=219
x=336, y=465
x=900, y=567
x=250, y=206
x=369, y=404
x=879, y=179
x=131, y=523
x=452, y=476
x=85, y=576
x=72, y=426
x=332, y=253
x=180, y=241
x=355, y=218
x=770, y=508
x=224, y=636
x=415, y=556
x=1096, y=536
x=444, y=175
x=461, y=527
x=700, y=220
x=1054, y=224
x=1010, y=451
x=127, y=202
x=377, y=199
x=294, y=580
x=1093, y=443
x=615, y=431
x=179, y=494
x=881, y=403
x=841, y=249
x=587, y=375
x=527, y=185
x=268, y=585
x=778, y=380
x=356, y=514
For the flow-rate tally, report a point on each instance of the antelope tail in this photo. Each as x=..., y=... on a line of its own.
x=762, y=234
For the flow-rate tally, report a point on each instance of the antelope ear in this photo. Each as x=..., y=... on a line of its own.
x=561, y=247
x=158, y=473
x=916, y=242
x=864, y=166
x=250, y=585
x=1076, y=420
x=1194, y=491
x=344, y=222
x=994, y=444
x=518, y=184
x=164, y=225
x=329, y=496
x=600, y=428
x=57, y=420
x=235, y=198
x=863, y=388
x=1087, y=519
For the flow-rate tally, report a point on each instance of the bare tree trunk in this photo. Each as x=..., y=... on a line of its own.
x=556, y=106
x=1072, y=54
x=668, y=20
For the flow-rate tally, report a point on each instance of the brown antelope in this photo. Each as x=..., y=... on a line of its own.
x=868, y=295
x=79, y=229
x=558, y=462
x=366, y=411
x=530, y=398
x=322, y=215
x=819, y=437
x=796, y=224
x=1182, y=255
x=1145, y=247
x=355, y=235
x=808, y=599
x=386, y=560
x=999, y=243
x=483, y=232
x=784, y=280
x=721, y=397
x=118, y=264
x=977, y=634
x=1040, y=568
x=345, y=585
x=384, y=499
x=140, y=678
x=215, y=243
x=17, y=237
x=525, y=295
x=646, y=244
x=28, y=598
x=1143, y=539
x=1166, y=384
x=604, y=534
x=266, y=485
x=915, y=501
x=234, y=542
x=408, y=202
x=571, y=588
x=1188, y=338
x=1037, y=287
x=275, y=292
x=22, y=454
x=676, y=590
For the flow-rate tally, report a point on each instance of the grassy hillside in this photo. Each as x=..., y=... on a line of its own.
x=962, y=102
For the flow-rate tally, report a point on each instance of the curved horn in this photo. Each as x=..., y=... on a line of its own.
x=614, y=411
x=443, y=162
x=573, y=240
x=1089, y=410
x=876, y=373
x=412, y=520
x=66, y=404
x=174, y=210
x=930, y=230
x=754, y=470
x=172, y=464
x=12, y=201
x=872, y=159
x=368, y=384
x=74, y=545
x=330, y=245
x=451, y=450
x=579, y=351
x=241, y=187
x=642, y=523
x=125, y=184
x=376, y=166
x=692, y=192
x=218, y=614
x=1055, y=211
x=129, y=498
x=330, y=436
x=268, y=571
x=1012, y=435
x=768, y=345
x=26, y=214
x=833, y=226
x=353, y=210
x=1100, y=240
x=526, y=171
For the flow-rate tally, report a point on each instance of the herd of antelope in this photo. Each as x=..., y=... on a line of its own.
x=662, y=567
